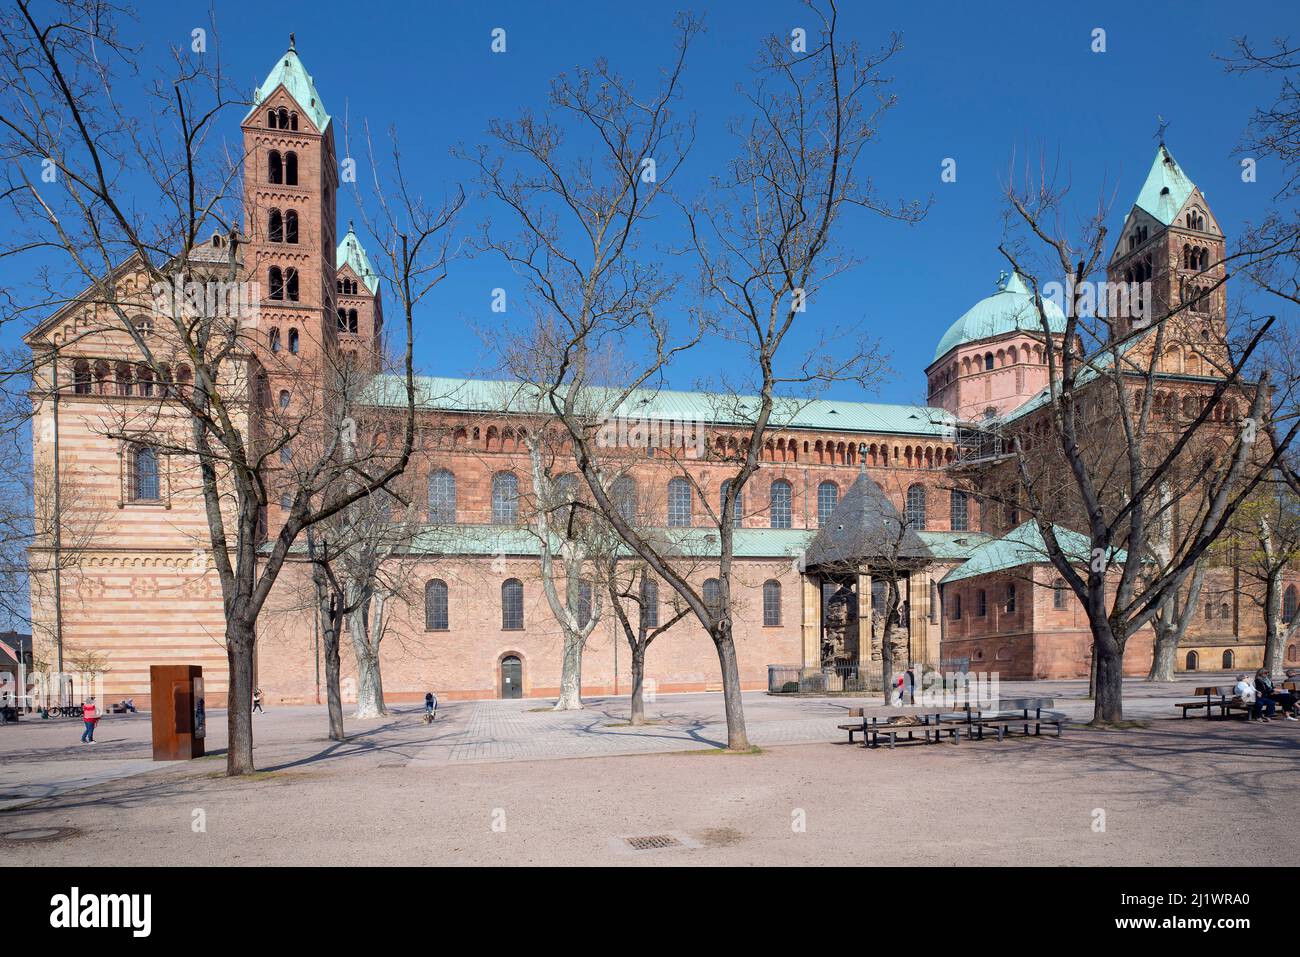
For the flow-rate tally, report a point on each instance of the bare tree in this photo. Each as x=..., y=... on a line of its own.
x=765, y=246
x=1111, y=460
x=59, y=113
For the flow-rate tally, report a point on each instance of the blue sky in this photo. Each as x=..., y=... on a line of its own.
x=975, y=82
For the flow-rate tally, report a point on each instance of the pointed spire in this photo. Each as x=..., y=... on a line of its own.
x=290, y=73
x=1166, y=188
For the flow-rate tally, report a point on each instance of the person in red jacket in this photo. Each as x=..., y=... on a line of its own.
x=91, y=717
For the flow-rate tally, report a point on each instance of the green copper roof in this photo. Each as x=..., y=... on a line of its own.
x=952, y=545
x=352, y=253
x=1023, y=545
x=1166, y=189
x=485, y=395
x=1010, y=309
x=289, y=72
x=520, y=541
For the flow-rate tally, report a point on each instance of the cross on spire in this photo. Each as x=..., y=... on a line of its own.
x=1161, y=125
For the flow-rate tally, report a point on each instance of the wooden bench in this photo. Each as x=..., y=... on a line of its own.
x=1002, y=721
x=1225, y=704
x=930, y=724
x=860, y=726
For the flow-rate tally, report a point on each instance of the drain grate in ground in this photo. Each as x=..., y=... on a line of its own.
x=653, y=842
x=39, y=834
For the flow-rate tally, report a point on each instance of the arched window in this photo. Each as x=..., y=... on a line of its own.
x=828, y=496
x=956, y=606
x=284, y=398
x=442, y=497
x=144, y=379
x=679, y=503
x=273, y=339
x=771, y=603
x=713, y=596
x=512, y=604
x=275, y=226
x=1228, y=659
x=144, y=474
x=183, y=378
x=649, y=601
x=914, y=510
x=1193, y=661
x=959, y=507
x=1289, y=604
x=505, y=498
x=1292, y=653
x=275, y=279
x=981, y=603
x=436, y=616
x=623, y=492
x=352, y=320
x=283, y=116
x=1058, y=594
x=1224, y=611
x=293, y=121
x=291, y=169
x=291, y=226
x=81, y=377
x=738, y=507
x=779, y=503
x=988, y=361
x=291, y=284
x=293, y=341
x=274, y=167
x=1011, y=598
x=122, y=375
x=270, y=119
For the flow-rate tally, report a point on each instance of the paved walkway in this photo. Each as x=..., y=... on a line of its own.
x=527, y=729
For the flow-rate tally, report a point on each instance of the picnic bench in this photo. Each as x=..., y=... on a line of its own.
x=1215, y=697
x=858, y=726
x=1004, y=717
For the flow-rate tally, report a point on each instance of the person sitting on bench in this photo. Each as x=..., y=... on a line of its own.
x=1245, y=690
x=1264, y=691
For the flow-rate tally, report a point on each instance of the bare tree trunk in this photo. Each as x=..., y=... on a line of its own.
x=571, y=675
x=1276, y=631
x=239, y=698
x=330, y=648
x=638, y=686
x=1171, y=624
x=1108, y=695
x=737, y=737
x=370, y=687
x=1165, y=653
x=366, y=633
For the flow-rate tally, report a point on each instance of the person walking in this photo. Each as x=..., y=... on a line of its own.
x=430, y=706
x=91, y=717
x=257, y=701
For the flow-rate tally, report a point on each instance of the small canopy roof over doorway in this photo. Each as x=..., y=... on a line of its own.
x=864, y=530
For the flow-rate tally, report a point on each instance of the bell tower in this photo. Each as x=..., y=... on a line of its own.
x=290, y=187
x=1172, y=245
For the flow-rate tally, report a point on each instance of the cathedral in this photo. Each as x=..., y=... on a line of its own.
x=814, y=556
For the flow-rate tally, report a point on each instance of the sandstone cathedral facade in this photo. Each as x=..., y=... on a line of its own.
x=975, y=587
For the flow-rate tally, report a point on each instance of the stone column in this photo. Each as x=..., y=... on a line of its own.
x=867, y=649
x=812, y=618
